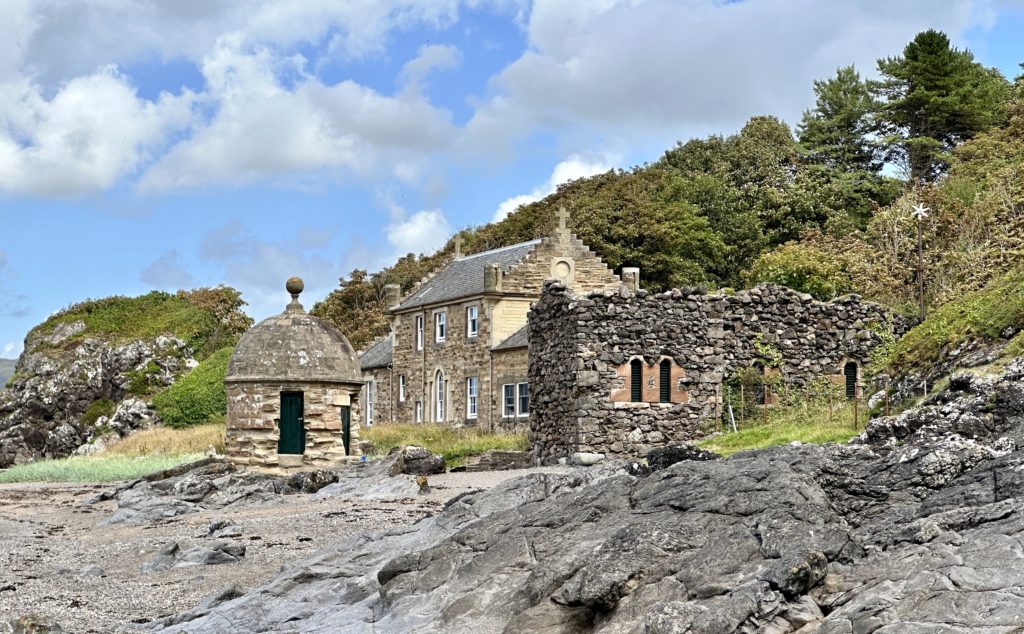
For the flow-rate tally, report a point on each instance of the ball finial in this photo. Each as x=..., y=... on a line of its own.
x=294, y=285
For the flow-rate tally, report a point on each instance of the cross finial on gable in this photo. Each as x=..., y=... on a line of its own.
x=563, y=218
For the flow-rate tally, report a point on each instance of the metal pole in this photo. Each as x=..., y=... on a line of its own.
x=920, y=270
x=743, y=407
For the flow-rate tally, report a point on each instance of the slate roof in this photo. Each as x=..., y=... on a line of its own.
x=518, y=339
x=464, y=277
x=377, y=356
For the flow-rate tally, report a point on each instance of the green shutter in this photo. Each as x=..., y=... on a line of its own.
x=636, y=388
x=346, y=428
x=850, y=371
x=665, y=381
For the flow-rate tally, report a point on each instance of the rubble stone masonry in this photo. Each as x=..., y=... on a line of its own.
x=581, y=347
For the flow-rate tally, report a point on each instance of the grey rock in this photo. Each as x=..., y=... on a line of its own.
x=585, y=459
x=413, y=460
x=662, y=457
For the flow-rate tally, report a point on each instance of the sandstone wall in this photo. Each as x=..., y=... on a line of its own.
x=580, y=348
x=385, y=395
x=509, y=366
x=254, y=413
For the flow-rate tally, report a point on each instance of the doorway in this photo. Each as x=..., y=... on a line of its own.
x=293, y=427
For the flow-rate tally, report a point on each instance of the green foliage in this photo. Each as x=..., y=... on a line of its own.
x=141, y=382
x=94, y=468
x=816, y=413
x=198, y=395
x=934, y=97
x=982, y=314
x=768, y=351
x=100, y=407
x=836, y=132
x=802, y=267
x=203, y=318
x=455, y=445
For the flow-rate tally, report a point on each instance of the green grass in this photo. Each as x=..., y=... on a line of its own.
x=786, y=424
x=94, y=468
x=983, y=314
x=198, y=395
x=455, y=445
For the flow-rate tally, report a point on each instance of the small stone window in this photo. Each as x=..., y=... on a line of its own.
x=636, y=380
x=401, y=388
x=665, y=381
x=524, y=400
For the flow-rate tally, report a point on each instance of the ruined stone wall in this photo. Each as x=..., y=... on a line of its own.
x=509, y=366
x=254, y=413
x=580, y=348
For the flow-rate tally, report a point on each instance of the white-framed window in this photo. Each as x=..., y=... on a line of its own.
x=472, y=388
x=439, y=397
x=472, y=321
x=440, y=326
x=419, y=411
x=401, y=388
x=523, y=405
x=419, y=332
x=371, y=387
x=508, y=400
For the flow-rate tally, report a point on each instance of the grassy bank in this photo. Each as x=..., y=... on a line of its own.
x=143, y=453
x=102, y=468
x=455, y=445
x=812, y=423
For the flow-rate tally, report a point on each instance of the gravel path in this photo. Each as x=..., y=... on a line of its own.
x=47, y=538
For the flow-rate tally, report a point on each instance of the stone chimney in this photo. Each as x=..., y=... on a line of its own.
x=458, y=246
x=492, y=278
x=631, y=278
x=392, y=295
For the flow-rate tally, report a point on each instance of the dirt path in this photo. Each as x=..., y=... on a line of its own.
x=47, y=538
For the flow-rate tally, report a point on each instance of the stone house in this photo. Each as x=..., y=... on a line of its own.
x=293, y=386
x=457, y=350
x=621, y=373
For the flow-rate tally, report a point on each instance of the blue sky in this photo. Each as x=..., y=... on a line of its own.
x=153, y=144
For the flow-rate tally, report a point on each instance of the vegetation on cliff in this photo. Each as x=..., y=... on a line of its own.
x=198, y=396
x=207, y=319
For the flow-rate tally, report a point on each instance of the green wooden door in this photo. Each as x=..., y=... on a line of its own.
x=346, y=427
x=293, y=432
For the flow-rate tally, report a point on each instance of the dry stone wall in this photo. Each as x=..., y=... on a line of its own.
x=580, y=344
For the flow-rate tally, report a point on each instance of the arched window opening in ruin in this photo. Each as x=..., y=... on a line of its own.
x=636, y=378
x=758, y=384
x=665, y=381
x=850, y=374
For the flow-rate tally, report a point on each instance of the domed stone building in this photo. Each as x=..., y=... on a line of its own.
x=293, y=387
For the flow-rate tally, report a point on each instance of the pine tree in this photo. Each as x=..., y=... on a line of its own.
x=836, y=133
x=933, y=98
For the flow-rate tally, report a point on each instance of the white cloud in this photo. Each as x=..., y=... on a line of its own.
x=10, y=350
x=263, y=129
x=259, y=268
x=423, y=232
x=82, y=139
x=167, y=271
x=430, y=57
x=666, y=67
x=570, y=169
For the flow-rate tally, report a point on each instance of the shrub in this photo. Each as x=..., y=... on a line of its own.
x=196, y=396
x=802, y=268
x=100, y=407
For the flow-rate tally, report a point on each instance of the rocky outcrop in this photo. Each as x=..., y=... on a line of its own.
x=915, y=527
x=60, y=376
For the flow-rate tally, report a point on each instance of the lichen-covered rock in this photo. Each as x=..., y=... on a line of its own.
x=662, y=457
x=58, y=379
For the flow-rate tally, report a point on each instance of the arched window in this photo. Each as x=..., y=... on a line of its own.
x=665, y=381
x=636, y=378
x=850, y=374
x=439, y=409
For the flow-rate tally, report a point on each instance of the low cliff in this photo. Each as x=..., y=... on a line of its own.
x=89, y=370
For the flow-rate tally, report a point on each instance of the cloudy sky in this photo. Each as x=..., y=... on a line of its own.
x=175, y=143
